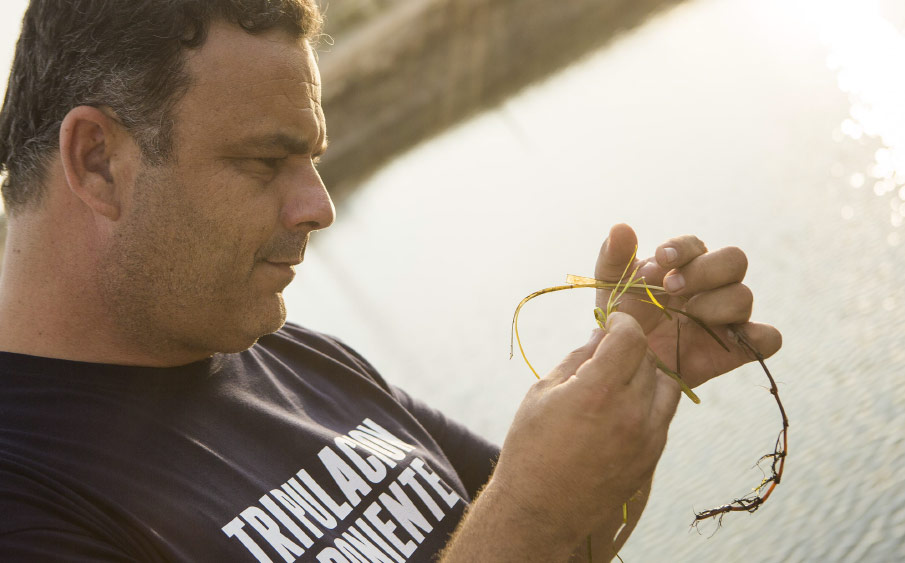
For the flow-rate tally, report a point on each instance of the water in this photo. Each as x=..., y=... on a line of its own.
x=774, y=125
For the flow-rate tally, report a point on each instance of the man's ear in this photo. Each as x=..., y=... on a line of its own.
x=88, y=144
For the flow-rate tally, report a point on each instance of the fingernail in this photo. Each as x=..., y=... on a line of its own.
x=648, y=270
x=674, y=283
x=671, y=254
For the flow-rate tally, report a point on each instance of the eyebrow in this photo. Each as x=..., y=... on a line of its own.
x=288, y=143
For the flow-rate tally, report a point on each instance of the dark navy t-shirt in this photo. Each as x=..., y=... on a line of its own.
x=295, y=449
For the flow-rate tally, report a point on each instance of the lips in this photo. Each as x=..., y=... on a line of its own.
x=281, y=273
x=287, y=250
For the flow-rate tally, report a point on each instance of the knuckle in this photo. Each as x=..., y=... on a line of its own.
x=577, y=356
x=539, y=388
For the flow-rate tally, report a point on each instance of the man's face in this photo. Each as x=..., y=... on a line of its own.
x=207, y=242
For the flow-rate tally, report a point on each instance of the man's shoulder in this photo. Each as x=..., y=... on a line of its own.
x=298, y=343
x=292, y=335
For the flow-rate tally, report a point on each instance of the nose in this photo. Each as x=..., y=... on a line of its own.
x=306, y=202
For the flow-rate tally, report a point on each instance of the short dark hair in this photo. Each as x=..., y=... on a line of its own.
x=124, y=54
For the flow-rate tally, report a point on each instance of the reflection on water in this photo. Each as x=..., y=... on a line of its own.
x=866, y=51
x=774, y=125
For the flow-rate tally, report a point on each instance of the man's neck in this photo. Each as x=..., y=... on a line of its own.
x=48, y=323
x=50, y=305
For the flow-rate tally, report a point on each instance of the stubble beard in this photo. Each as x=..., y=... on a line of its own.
x=169, y=279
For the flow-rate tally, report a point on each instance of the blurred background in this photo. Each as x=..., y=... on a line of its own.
x=480, y=150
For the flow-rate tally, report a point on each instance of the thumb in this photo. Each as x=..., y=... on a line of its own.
x=570, y=364
x=615, y=253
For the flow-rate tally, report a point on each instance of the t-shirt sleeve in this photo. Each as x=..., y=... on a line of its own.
x=472, y=456
x=41, y=522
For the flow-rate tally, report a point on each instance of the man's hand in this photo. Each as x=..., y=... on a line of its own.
x=586, y=438
x=706, y=285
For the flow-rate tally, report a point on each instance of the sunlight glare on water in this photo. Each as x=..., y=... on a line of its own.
x=866, y=51
x=773, y=125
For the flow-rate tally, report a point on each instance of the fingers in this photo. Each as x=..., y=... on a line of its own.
x=570, y=364
x=618, y=356
x=729, y=304
x=677, y=252
x=699, y=368
x=646, y=379
x=765, y=338
x=615, y=253
x=707, y=271
x=665, y=399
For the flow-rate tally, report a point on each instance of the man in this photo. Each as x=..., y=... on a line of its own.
x=161, y=188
